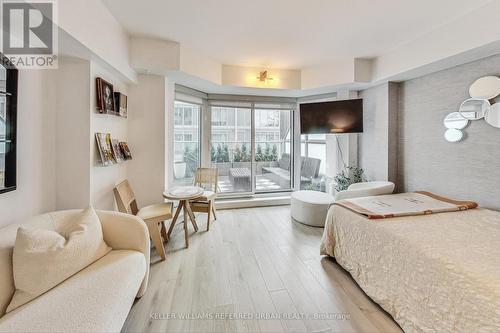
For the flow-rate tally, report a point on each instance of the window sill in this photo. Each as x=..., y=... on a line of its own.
x=248, y=202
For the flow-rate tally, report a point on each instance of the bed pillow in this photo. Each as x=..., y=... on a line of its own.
x=44, y=258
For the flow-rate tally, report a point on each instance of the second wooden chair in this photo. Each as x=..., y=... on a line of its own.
x=206, y=178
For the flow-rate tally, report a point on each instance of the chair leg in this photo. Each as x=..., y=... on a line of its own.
x=154, y=233
x=213, y=210
x=208, y=216
x=164, y=231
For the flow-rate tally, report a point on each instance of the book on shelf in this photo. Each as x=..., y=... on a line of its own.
x=117, y=152
x=121, y=104
x=104, y=145
x=125, y=150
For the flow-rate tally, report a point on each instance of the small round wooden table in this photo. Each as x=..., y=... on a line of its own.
x=183, y=194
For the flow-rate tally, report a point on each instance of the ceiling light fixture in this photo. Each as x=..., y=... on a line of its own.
x=263, y=77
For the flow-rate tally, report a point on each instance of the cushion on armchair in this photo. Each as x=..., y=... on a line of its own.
x=43, y=258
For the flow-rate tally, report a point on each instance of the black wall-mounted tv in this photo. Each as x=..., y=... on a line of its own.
x=8, y=124
x=332, y=117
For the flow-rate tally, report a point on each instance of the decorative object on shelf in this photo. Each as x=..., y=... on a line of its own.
x=456, y=121
x=125, y=150
x=493, y=115
x=479, y=106
x=105, y=97
x=8, y=128
x=117, y=152
x=105, y=148
x=474, y=108
x=347, y=177
x=453, y=135
x=487, y=87
x=121, y=104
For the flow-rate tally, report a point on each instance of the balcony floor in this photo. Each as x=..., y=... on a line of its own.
x=262, y=184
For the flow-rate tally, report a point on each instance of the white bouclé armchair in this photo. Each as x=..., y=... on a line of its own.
x=96, y=299
x=365, y=189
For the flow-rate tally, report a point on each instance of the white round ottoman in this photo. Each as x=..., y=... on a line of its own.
x=310, y=207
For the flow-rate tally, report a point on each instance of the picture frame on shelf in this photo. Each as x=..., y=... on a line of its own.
x=104, y=146
x=121, y=104
x=105, y=97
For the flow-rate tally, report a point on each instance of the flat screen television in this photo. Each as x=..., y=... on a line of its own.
x=8, y=124
x=332, y=117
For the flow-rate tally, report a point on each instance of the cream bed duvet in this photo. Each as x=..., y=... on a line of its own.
x=432, y=273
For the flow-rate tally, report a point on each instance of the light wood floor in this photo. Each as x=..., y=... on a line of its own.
x=253, y=263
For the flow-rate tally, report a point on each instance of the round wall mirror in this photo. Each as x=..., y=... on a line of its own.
x=487, y=87
x=492, y=116
x=453, y=135
x=474, y=108
x=455, y=120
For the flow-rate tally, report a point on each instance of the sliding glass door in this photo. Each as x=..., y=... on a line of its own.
x=231, y=148
x=273, y=159
x=251, y=147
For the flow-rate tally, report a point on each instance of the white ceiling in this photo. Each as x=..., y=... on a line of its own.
x=288, y=33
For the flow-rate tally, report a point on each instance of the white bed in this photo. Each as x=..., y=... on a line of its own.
x=432, y=273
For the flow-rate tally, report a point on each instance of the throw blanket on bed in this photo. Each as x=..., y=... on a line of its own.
x=432, y=273
x=404, y=204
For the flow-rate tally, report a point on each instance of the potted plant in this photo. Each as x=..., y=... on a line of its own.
x=350, y=175
x=179, y=169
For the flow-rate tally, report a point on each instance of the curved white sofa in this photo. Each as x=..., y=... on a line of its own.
x=310, y=207
x=366, y=189
x=96, y=299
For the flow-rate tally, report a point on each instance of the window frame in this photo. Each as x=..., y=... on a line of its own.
x=182, y=132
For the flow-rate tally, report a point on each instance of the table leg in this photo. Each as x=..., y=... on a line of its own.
x=191, y=215
x=186, y=236
x=174, y=220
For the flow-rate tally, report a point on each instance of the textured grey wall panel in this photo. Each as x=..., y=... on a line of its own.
x=469, y=169
x=378, y=143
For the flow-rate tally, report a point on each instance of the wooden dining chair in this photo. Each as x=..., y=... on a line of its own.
x=206, y=178
x=153, y=215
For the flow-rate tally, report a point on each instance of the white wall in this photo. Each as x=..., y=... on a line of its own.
x=35, y=149
x=475, y=30
x=104, y=179
x=335, y=73
x=72, y=127
x=91, y=23
x=199, y=65
x=146, y=134
x=161, y=55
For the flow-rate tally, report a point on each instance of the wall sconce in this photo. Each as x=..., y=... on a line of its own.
x=264, y=76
